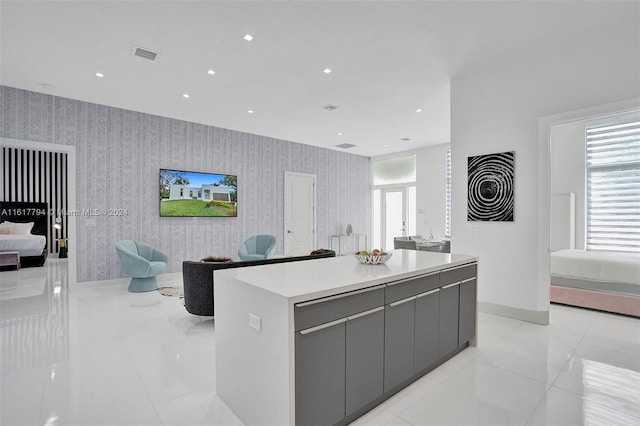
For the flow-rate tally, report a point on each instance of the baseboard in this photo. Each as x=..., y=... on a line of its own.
x=537, y=317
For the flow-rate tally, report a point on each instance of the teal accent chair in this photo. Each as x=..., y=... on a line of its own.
x=257, y=247
x=142, y=263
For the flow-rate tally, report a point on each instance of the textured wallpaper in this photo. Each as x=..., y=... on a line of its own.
x=118, y=157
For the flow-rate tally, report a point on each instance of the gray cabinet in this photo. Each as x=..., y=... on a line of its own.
x=399, y=346
x=320, y=372
x=427, y=322
x=467, y=311
x=448, y=327
x=364, y=359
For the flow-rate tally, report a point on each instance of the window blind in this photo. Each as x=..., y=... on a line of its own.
x=448, y=196
x=613, y=186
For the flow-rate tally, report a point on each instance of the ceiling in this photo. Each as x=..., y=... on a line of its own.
x=388, y=59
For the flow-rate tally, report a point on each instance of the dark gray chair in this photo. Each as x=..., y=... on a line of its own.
x=403, y=243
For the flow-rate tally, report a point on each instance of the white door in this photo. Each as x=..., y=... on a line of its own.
x=299, y=213
x=394, y=214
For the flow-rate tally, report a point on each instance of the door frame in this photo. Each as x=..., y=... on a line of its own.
x=70, y=150
x=287, y=175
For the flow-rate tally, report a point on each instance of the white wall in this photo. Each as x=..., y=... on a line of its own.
x=568, y=169
x=431, y=186
x=498, y=109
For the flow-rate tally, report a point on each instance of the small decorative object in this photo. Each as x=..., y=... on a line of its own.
x=490, y=195
x=216, y=259
x=349, y=229
x=376, y=257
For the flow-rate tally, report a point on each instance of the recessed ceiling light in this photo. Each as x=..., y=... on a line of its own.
x=327, y=70
x=99, y=74
x=185, y=95
x=339, y=133
x=419, y=110
x=211, y=72
x=250, y=111
x=385, y=145
x=405, y=139
x=248, y=37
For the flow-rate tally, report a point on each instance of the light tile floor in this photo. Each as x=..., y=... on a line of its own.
x=94, y=354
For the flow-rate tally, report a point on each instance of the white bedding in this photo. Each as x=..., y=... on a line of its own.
x=597, y=266
x=26, y=245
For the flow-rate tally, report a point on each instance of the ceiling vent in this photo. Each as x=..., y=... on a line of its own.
x=330, y=107
x=145, y=53
x=346, y=145
x=405, y=139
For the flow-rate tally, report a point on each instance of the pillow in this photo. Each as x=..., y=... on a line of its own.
x=21, y=228
x=6, y=229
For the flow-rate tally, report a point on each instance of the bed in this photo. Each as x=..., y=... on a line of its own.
x=17, y=235
x=603, y=280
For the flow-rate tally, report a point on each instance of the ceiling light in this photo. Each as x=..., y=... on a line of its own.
x=419, y=110
x=385, y=145
x=339, y=133
x=405, y=139
x=185, y=95
x=99, y=74
x=250, y=111
x=327, y=70
x=211, y=72
x=248, y=37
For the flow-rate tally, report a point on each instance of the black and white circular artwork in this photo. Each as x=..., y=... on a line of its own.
x=490, y=193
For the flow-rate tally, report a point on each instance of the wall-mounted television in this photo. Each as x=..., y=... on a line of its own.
x=195, y=194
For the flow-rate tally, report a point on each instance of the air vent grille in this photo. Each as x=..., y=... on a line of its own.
x=330, y=107
x=346, y=145
x=145, y=53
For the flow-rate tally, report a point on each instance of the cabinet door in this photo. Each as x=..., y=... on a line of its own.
x=427, y=329
x=399, y=326
x=320, y=373
x=364, y=358
x=467, y=316
x=448, y=327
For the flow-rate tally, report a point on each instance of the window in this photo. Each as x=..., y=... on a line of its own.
x=613, y=185
x=447, y=229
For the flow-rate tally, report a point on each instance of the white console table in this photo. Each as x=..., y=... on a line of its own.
x=348, y=244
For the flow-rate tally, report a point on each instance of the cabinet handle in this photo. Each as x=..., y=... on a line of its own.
x=444, y=287
x=428, y=293
x=467, y=280
x=365, y=313
x=412, y=278
x=459, y=267
x=400, y=302
x=322, y=326
x=337, y=296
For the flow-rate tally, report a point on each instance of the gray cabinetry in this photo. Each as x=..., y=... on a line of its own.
x=320, y=372
x=448, y=327
x=427, y=321
x=467, y=311
x=364, y=359
x=339, y=363
x=399, y=346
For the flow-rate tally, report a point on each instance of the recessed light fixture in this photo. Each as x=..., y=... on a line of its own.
x=339, y=133
x=405, y=139
x=419, y=110
x=99, y=74
x=248, y=37
x=211, y=72
x=327, y=70
x=185, y=95
x=250, y=111
x=385, y=145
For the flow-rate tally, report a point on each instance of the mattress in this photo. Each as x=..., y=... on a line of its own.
x=604, y=271
x=26, y=245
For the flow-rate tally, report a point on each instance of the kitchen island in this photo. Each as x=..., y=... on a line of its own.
x=324, y=341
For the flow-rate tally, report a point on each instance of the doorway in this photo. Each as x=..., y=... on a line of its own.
x=299, y=213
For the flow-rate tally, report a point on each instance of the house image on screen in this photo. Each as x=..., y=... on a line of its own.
x=206, y=192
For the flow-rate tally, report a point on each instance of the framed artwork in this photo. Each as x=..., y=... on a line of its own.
x=490, y=194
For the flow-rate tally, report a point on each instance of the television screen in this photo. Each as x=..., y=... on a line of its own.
x=185, y=193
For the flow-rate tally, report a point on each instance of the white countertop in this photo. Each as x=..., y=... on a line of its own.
x=305, y=280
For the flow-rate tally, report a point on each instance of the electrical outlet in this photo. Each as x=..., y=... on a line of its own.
x=255, y=322
x=91, y=221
